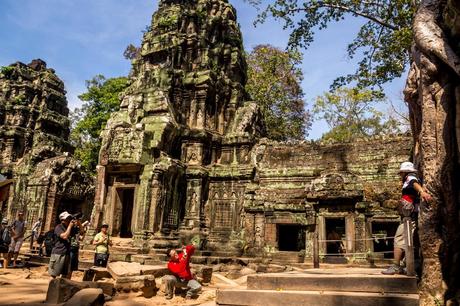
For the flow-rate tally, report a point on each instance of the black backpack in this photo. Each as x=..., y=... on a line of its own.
x=5, y=237
x=49, y=241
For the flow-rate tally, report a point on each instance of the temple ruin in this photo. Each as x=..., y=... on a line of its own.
x=35, y=149
x=185, y=159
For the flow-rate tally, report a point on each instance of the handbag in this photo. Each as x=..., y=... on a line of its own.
x=406, y=206
x=102, y=256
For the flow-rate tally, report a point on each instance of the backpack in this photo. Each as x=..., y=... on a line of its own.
x=50, y=241
x=6, y=236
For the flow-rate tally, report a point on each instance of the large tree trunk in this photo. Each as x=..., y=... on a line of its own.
x=433, y=95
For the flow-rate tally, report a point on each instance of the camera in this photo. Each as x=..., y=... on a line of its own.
x=77, y=216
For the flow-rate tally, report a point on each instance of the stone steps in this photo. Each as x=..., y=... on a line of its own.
x=325, y=287
x=318, y=282
x=323, y=298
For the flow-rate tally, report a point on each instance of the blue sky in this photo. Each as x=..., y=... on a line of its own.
x=82, y=38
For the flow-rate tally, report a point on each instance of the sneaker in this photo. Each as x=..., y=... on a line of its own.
x=393, y=269
x=168, y=297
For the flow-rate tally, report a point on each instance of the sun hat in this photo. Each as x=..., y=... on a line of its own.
x=64, y=215
x=407, y=167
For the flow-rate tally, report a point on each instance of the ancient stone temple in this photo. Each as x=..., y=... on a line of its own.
x=184, y=158
x=34, y=146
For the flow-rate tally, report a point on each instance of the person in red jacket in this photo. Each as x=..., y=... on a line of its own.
x=179, y=266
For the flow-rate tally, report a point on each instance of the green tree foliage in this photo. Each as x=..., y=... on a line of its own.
x=274, y=79
x=382, y=45
x=100, y=100
x=351, y=113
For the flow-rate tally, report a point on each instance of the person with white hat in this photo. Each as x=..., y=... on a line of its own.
x=60, y=255
x=412, y=194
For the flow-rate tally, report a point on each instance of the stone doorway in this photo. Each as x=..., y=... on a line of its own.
x=291, y=237
x=335, y=230
x=380, y=230
x=126, y=201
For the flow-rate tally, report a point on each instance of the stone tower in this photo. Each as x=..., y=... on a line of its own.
x=33, y=111
x=183, y=115
x=34, y=146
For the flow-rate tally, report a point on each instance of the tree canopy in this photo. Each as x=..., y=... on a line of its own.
x=274, y=82
x=351, y=113
x=382, y=45
x=101, y=99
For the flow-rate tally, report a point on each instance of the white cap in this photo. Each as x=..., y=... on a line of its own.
x=64, y=215
x=407, y=167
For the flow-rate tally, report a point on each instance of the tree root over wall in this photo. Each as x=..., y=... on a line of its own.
x=433, y=94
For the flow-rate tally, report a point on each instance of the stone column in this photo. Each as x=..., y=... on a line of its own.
x=99, y=197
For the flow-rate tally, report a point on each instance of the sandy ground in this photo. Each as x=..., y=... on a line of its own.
x=23, y=286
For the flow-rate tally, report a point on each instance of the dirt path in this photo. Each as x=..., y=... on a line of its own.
x=26, y=286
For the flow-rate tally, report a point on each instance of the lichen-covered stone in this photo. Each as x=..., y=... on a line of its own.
x=35, y=148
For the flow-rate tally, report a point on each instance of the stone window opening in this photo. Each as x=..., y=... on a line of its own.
x=383, y=247
x=291, y=237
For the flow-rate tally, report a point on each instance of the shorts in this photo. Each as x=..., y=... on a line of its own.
x=59, y=265
x=399, y=236
x=16, y=245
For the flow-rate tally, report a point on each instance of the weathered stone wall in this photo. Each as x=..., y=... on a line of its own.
x=34, y=146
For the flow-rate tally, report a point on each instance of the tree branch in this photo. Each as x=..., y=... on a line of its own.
x=345, y=9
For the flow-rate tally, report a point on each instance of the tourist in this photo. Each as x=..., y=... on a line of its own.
x=18, y=228
x=5, y=240
x=77, y=234
x=102, y=242
x=179, y=266
x=36, y=228
x=60, y=254
x=412, y=193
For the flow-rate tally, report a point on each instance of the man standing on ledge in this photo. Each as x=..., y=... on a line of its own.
x=412, y=194
x=179, y=266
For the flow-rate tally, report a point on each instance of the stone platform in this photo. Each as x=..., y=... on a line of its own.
x=325, y=287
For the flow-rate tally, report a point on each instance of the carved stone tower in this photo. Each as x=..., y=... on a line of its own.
x=182, y=116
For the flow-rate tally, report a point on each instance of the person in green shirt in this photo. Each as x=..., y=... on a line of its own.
x=102, y=242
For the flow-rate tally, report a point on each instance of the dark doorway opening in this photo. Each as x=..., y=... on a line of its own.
x=72, y=206
x=380, y=232
x=335, y=231
x=291, y=237
x=126, y=196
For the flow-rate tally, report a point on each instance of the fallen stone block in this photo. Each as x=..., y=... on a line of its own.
x=119, y=269
x=95, y=273
x=206, y=274
x=272, y=268
x=125, y=269
x=144, y=283
x=87, y=297
x=61, y=290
